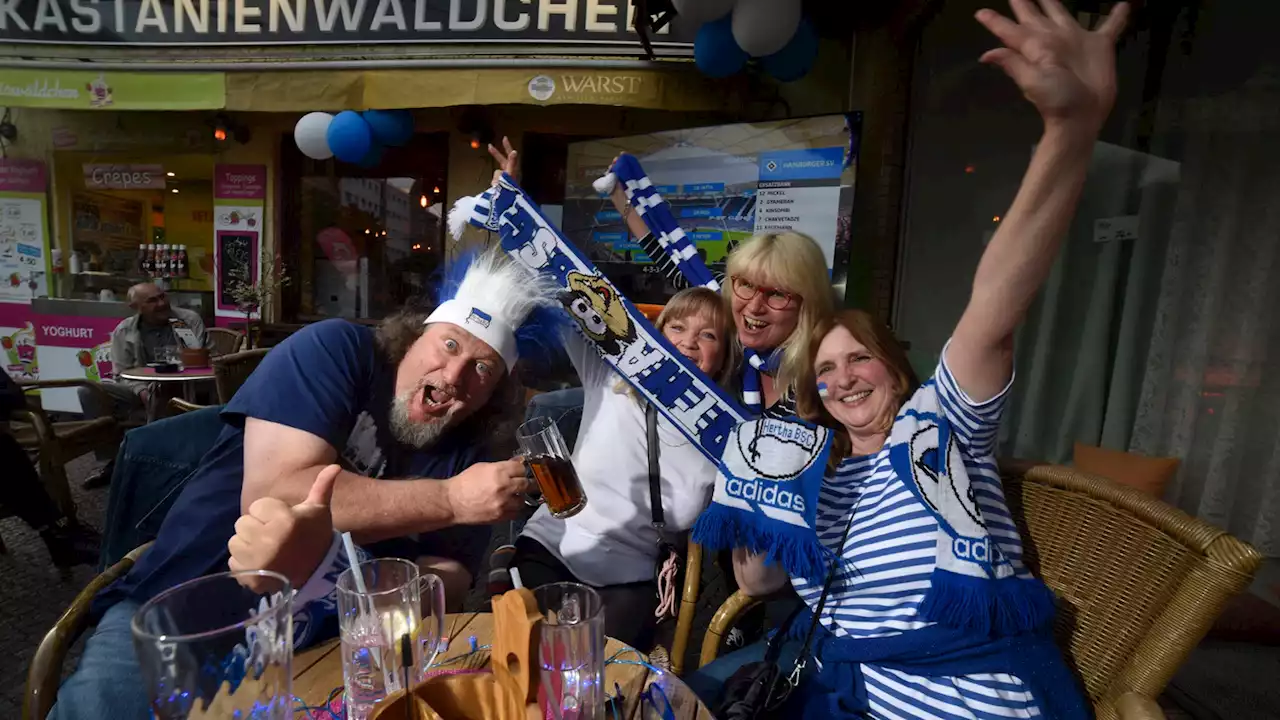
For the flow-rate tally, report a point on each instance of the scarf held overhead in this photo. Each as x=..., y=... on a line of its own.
x=622, y=336
x=673, y=241
x=770, y=474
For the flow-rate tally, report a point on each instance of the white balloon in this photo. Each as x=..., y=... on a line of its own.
x=311, y=135
x=697, y=12
x=763, y=27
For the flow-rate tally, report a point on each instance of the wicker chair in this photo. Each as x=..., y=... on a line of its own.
x=230, y=371
x=46, y=666
x=224, y=341
x=57, y=443
x=1139, y=583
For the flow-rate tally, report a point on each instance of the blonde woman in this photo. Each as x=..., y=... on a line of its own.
x=778, y=289
x=611, y=544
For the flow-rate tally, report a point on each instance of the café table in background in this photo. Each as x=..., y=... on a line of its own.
x=317, y=673
x=185, y=378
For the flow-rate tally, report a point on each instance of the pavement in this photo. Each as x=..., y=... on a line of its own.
x=33, y=593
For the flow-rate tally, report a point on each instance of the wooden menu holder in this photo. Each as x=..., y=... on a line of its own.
x=514, y=656
x=510, y=692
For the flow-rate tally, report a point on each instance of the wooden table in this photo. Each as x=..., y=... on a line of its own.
x=318, y=671
x=186, y=376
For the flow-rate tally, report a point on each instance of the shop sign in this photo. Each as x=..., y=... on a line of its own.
x=580, y=23
x=124, y=177
x=93, y=90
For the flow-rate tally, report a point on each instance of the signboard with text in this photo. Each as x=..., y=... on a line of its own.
x=578, y=23
x=239, y=194
x=123, y=177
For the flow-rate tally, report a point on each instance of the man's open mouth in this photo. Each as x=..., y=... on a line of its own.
x=433, y=397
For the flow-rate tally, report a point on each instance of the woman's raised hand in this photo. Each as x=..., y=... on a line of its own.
x=1067, y=72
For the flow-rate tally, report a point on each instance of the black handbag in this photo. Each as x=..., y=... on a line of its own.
x=759, y=690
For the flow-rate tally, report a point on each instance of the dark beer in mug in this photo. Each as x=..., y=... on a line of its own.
x=559, y=484
x=548, y=460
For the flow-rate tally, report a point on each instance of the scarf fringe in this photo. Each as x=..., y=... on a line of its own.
x=797, y=549
x=988, y=606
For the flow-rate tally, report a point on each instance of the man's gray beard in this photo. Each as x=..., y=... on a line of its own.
x=416, y=434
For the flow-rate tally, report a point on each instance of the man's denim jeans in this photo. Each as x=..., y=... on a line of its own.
x=108, y=681
x=152, y=466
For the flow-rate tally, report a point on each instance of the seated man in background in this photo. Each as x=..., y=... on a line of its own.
x=145, y=337
x=411, y=411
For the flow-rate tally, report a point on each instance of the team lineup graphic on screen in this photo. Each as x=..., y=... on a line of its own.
x=724, y=184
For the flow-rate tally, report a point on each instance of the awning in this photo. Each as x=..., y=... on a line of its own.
x=111, y=89
x=681, y=88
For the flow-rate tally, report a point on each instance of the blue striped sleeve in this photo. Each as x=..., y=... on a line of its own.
x=977, y=424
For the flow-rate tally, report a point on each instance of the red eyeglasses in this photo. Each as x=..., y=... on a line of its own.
x=776, y=298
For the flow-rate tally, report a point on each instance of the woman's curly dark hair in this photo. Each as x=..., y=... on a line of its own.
x=496, y=422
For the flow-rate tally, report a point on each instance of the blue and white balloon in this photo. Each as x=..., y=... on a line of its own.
x=694, y=13
x=390, y=127
x=796, y=59
x=349, y=137
x=715, y=52
x=763, y=27
x=311, y=135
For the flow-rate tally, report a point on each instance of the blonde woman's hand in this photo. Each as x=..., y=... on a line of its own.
x=1067, y=72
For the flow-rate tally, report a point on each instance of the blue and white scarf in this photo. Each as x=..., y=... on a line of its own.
x=756, y=364
x=770, y=469
x=674, y=242
x=625, y=340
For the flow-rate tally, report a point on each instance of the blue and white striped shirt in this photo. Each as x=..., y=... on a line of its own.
x=890, y=555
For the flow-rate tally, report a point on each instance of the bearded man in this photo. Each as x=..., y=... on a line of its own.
x=410, y=411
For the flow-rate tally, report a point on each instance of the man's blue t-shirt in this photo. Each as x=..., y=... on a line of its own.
x=329, y=380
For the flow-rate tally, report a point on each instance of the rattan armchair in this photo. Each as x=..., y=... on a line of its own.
x=1139, y=583
x=56, y=443
x=224, y=341
x=230, y=371
x=45, y=673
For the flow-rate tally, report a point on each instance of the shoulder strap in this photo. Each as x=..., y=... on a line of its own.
x=655, y=475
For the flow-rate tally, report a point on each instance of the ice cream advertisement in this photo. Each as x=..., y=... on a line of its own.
x=20, y=353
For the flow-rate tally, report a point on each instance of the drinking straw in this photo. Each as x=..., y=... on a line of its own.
x=516, y=583
x=354, y=560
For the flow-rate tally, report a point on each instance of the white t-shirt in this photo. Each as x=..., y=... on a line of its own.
x=611, y=541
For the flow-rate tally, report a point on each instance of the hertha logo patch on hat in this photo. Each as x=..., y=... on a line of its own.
x=479, y=317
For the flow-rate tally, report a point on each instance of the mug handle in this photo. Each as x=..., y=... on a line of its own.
x=530, y=500
x=431, y=592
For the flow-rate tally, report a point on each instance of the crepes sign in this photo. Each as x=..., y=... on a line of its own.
x=579, y=24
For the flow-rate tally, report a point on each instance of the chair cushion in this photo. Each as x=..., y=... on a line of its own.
x=1148, y=474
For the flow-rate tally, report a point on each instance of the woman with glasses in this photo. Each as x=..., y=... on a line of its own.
x=778, y=290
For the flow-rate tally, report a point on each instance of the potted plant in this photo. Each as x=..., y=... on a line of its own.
x=256, y=297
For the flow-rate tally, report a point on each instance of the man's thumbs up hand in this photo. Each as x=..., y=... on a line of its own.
x=289, y=540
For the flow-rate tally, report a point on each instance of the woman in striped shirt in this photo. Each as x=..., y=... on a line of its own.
x=883, y=526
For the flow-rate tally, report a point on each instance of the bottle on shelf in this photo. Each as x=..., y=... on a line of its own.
x=141, y=263
x=157, y=261
x=182, y=261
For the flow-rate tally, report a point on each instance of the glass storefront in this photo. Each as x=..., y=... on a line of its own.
x=359, y=244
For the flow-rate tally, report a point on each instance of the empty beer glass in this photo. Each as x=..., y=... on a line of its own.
x=219, y=646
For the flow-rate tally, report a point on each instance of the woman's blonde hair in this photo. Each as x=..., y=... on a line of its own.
x=693, y=301
x=793, y=262
x=879, y=340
